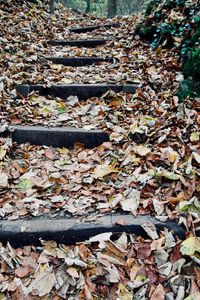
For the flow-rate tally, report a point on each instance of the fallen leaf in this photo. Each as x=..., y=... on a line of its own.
x=103, y=170
x=75, y=262
x=23, y=271
x=2, y=153
x=173, y=156
x=25, y=184
x=113, y=274
x=158, y=293
x=3, y=180
x=67, y=80
x=72, y=100
x=196, y=156
x=134, y=271
x=124, y=293
x=190, y=246
x=141, y=150
x=56, y=67
x=50, y=153
x=43, y=283
x=179, y=198
x=50, y=247
x=132, y=201
x=150, y=230
x=114, y=253
x=194, y=137
x=101, y=238
x=168, y=175
x=195, y=296
x=73, y=272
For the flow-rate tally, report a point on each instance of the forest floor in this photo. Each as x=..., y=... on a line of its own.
x=149, y=166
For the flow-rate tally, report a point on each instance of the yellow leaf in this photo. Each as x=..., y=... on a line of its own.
x=56, y=67
x=190, y=246
x=53, y=18
x=148, y=121
x=124, y=293
x=50, y=247
x=63, y=151
x=158, y=50
x=194, y=137
x=97, y=78
x=173, y=156
x=116, y=102
x=134, y=159
x=103, y=170
x=179, y=198
x=195, y=296
x=168, y=175
x=3, y=296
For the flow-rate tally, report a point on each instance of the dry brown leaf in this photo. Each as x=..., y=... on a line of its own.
x=158, y=293
x=50, y=153
x=73, y=272
x=23, y=271
x=112, y=251
x=134, y=271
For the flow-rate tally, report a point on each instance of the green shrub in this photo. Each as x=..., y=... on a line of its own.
x=176, y=23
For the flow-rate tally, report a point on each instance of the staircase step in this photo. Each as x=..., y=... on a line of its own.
x=79, y=43
x=79, y=61
x=69, y=230
x=82, y=91
x=57, y=137
x=92, y=28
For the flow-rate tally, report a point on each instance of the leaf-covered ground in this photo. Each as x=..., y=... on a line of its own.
x=149, y=166
x=123, y=269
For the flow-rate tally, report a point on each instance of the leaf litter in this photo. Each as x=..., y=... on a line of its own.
x=150, y=165
x=119, y=269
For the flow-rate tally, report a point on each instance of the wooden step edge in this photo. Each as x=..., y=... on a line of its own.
x=92, y=27
x=82, y=91
x=70, y=230
x=79, y=43
x=80, y=61
x=57, y=136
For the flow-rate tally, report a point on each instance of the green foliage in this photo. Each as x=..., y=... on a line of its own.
x=191, y=67
x=191, y=71
x=151, y=6
x=100, y=7
x=185, y=89
x=196, y=64
x=170, y=23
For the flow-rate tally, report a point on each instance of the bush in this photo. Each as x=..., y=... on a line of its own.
x=170, y=23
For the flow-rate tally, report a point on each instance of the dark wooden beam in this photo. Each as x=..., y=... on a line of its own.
x=79, y=43
x=92, y=28
x=69, y=230
x=57, y=137
x=82, y=91
x=79, y=61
